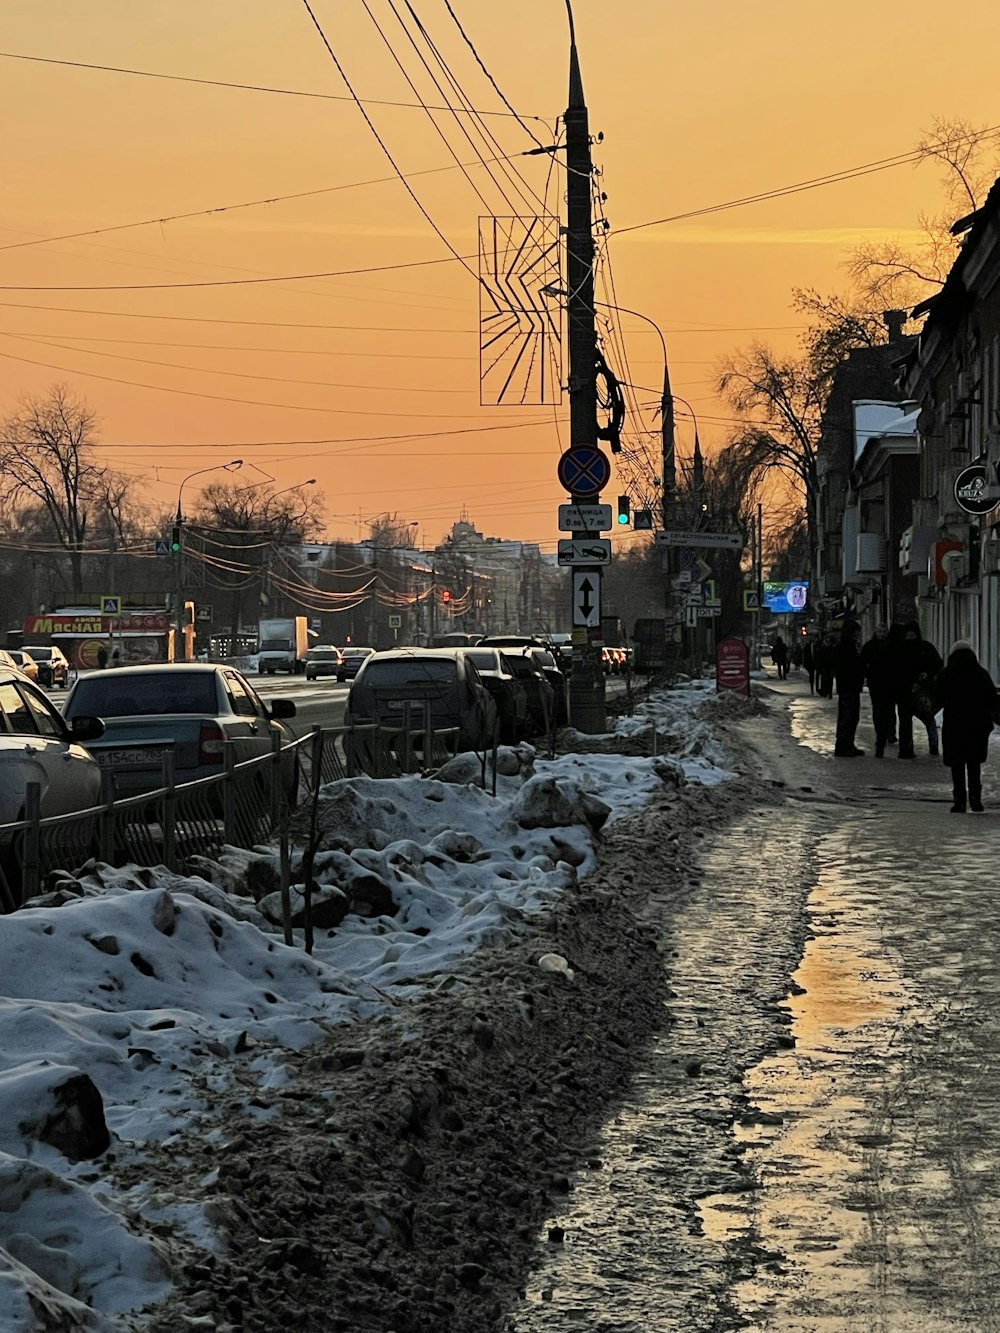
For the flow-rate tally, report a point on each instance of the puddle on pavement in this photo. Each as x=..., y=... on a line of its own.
x=812, y=1122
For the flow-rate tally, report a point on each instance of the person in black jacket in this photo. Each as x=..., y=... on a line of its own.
x=916, y=663
x=968, y=696
x=876, y=662
x=849, y=676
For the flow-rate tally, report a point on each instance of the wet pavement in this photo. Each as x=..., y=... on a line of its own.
x=813, y=1145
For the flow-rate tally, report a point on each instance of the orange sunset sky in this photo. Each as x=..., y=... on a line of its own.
x=370, y=383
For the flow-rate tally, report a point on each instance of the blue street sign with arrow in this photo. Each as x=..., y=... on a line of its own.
x=583, y=470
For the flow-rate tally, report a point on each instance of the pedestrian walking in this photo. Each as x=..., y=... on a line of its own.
x=877, y=664
x=969, y=699
x=809, y=661
x=849, y=677
x=916, y=665
x=102, y=657
x=779, y=656
x=825, y=654
x=796, y=654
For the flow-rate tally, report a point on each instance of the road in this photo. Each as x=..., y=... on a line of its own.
x=812, y=1143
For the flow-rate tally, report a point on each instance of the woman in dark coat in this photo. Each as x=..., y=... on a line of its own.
x=968, y=696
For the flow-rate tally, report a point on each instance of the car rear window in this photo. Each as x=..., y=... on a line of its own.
x=322, y=655
x=41, y=654
x=484, y=659
x=421, y=671
x=107, y=694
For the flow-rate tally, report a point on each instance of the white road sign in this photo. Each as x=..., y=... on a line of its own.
x=584, y=551
x=586, y=598
x=730, y=541
x=584, y=517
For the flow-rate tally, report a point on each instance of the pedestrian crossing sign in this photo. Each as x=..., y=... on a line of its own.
x=751, y=600
x=111, y=606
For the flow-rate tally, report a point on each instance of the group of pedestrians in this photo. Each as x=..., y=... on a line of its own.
x=906, y=679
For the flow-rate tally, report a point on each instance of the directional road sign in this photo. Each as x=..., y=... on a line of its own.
x=582, y=517
x=730, y=541
x=584, y=551
x=586, y=598
x=584, y=470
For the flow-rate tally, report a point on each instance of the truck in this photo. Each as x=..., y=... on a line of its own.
x=282, y=645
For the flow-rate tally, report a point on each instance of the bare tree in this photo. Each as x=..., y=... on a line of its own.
x=47, y=462
x=890, y=273
x=240, y=535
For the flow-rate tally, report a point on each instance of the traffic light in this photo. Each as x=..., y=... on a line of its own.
x=446, y=595
x=175, y=539
x=624, y=510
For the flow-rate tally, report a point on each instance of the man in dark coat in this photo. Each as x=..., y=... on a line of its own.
x=826, y=651
x=809, y=661
x=779, y=656
x=968, y=696
x=914, y=660
x=876, y=662
x=849, y=676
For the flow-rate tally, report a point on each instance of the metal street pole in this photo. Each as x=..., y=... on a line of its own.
x=179, y=552
x=586, y=686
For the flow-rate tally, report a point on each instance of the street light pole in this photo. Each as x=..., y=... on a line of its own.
x=179, y=547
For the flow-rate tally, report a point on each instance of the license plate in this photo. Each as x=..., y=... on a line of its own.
x=128, y=758
x=395, y=705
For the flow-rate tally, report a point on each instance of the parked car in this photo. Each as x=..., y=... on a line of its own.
x=24, y=662
x=354, y=659
x=191, y=708
x=405, y=686
x=553, y=673
x=539, y=690
x=325, y=660
x=53, y=668
x=509, y=694
x=37, y=745
x=8, y=662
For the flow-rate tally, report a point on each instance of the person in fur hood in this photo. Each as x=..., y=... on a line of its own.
x=969, y=699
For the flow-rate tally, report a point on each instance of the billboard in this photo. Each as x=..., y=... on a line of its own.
x=786, y=598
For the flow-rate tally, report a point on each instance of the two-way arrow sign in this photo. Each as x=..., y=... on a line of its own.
x=586, y=598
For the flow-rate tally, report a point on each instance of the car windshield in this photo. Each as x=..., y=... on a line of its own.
x=107, y=694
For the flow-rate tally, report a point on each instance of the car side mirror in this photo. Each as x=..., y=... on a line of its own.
x=281, y=708
x=86, y=728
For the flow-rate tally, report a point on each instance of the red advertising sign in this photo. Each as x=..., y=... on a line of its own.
x=86, y=623
x=732, y=666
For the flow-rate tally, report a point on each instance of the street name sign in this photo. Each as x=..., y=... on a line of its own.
x=586, y=598
x=584, y=551
x=585, y=518
x=729, y=541
x=584, y=470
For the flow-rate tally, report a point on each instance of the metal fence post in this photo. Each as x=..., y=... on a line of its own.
x=106, y=824
x=229, y=792
x=169, y=819
x=31, y=862
x=285, y=871
x=275, y=770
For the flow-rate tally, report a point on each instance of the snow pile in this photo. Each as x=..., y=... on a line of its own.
x=128, y=1012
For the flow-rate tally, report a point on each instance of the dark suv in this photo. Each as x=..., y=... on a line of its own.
x=408, y=687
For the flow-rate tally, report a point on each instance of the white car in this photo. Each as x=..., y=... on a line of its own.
x=37, y=745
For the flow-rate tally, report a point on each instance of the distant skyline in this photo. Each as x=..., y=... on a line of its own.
x=370, y=382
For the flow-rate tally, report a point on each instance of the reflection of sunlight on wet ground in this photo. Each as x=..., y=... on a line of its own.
x=813, y=1116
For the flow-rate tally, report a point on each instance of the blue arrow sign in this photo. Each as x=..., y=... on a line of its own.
x=583, y=470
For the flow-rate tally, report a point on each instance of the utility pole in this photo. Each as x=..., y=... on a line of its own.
x=586, y=686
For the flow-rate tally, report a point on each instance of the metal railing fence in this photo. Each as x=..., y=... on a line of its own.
x=244, y=805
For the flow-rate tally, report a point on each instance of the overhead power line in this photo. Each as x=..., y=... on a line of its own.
x=236, y=282
x=243, y=87
x=249, y=203
x=832, y=178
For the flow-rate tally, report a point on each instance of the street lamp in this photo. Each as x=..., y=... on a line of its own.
x=177, y=544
